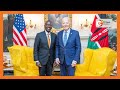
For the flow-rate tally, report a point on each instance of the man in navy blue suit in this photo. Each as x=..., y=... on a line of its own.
x=68, y=48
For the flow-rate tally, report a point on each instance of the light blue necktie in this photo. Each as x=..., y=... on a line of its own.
x=65, y=38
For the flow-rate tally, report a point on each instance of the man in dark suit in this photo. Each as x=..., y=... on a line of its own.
x=68, y=48
x=44, y=50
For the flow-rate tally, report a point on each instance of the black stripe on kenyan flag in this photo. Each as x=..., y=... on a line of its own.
x=103, y=37
x=97, y=30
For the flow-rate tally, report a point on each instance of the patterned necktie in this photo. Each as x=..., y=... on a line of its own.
x=48, y=40
x=65, y=38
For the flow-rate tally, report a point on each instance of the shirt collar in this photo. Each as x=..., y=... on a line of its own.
x=47, y=32
x=68, y=31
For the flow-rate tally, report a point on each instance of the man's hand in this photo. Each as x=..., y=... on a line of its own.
x=74, y=63
x=38, y=64
x=57, y=61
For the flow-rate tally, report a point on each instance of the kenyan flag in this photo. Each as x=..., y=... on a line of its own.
x=98, y=37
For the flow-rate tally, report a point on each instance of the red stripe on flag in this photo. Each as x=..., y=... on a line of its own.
x=17, y=37
x=25, y=30
x=15, y=41
x=25, y=40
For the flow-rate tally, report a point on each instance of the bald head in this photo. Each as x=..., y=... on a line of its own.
x=66, y=23
x=65, y=19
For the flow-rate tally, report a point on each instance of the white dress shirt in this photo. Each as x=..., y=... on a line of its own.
x=47, y=35
x=68, y=32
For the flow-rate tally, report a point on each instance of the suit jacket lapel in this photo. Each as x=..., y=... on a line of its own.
x=62, y=38
x=45, y=37
x=70, y=34
x=51, y=39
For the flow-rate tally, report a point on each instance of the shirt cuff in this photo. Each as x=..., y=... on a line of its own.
x=36, y=61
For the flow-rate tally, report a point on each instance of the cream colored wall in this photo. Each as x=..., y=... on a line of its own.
x=77, y=20
x=37, y=19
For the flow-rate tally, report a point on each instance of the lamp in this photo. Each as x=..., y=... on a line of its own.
x=30, y=25
x=32, y=21
x=86, y=23
x=85, y=20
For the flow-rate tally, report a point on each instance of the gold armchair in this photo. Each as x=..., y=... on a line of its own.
x=97, y=62
x=23, y=61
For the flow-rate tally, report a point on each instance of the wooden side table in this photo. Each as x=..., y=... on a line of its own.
x=114, y=72
x=8, y=71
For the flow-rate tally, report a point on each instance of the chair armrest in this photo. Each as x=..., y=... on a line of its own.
x=81, y=67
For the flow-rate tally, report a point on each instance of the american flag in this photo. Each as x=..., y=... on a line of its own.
x=19, y=31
